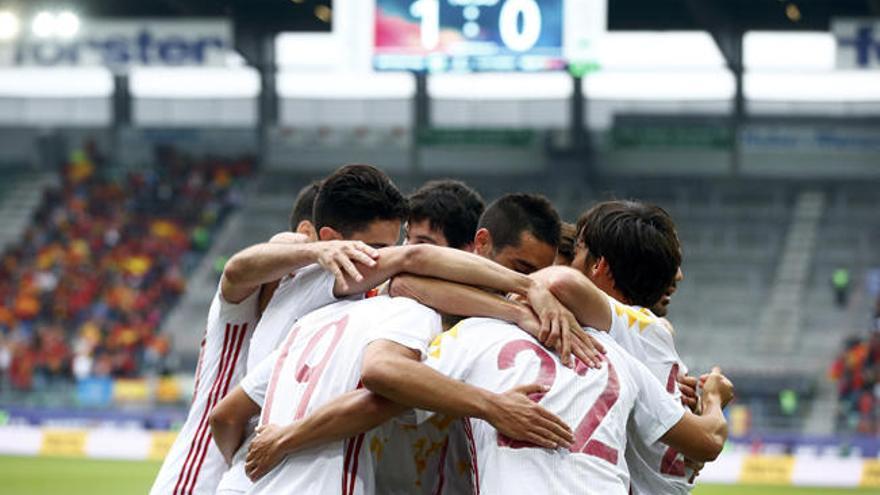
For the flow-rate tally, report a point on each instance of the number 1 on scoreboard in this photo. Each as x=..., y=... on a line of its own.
x=429, y=13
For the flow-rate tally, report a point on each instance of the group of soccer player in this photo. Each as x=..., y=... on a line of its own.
x=497, y=351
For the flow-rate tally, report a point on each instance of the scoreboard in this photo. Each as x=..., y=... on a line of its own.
x=469, y=35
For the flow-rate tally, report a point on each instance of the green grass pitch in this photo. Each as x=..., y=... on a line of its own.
x=51, y=476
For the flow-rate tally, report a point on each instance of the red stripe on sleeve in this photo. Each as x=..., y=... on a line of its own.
x=204, y=428
x=673, y=376
x=192, y=447
x=224, y=389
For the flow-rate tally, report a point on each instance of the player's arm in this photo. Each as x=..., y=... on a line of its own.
x=458, y=266
x=577, y=293
x=264, y=263
x=702, y=437
x=229, y=419
x=467, y=301
x=267, y=290
x=346, y=416
x=462, y=300
x=394, y=371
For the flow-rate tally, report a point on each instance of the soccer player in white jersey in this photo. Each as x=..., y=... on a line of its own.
x=320, y=360
x=193, y=464
x=520, y=231
x=356, y=202
x=275, y=440
x=631, y=251
x=598, y=404
x=509, y=231
x=444, y=213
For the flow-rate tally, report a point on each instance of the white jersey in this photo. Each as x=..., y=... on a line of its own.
x=194, y=465
x=319, y=361
x=298, y=294
x=431, y=458
x=655, y=468
x=597, y=404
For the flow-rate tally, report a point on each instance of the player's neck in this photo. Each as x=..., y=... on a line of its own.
x=608, y=287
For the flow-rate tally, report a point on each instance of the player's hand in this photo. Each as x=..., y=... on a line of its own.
x=516, y=416
x=552, y=315
x=265, y=451
x=584, y=347
x=566, y=338
x=528, y=320
x=571, y=339
x=717, y=384
x=688, y=387
x=696, y=466
x=338, y=258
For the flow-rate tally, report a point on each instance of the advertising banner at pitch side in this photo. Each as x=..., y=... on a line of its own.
x=121, y=44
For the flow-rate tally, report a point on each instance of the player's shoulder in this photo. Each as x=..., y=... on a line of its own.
x=303, y=279
x=484, y=327
x=639, y=319
x=397, y=309
x=470, y=331
x=222, y=311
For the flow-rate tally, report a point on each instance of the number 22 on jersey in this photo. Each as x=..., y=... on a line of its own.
x=584, y=442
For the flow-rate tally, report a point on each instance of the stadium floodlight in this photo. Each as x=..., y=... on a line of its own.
x=9, y=25
x=44, y=24
x=66, y=24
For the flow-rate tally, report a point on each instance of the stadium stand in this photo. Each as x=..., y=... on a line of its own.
x=102, y=260
x=857, y=371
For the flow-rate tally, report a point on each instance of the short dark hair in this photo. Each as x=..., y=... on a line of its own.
x=304, y=206
x=567, y=235
x=639, y=243
x=354, y=196
x=512, y=214
x=449, y=206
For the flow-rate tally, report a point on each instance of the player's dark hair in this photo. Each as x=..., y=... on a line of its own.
x=639, y=243
x=449, y=206
x=354, y=196
x=512, y=214
x=304, y=206
x=567, y=235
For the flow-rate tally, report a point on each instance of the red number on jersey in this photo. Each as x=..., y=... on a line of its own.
x=309, y=374
x=546, y=377
x=671, y=464
x=583, y=441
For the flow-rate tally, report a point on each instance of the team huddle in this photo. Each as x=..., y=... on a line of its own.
x=498, y=350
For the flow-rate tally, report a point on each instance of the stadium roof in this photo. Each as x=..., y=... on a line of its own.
x=300, y=15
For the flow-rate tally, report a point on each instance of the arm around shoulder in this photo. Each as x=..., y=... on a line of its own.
x=577, y=293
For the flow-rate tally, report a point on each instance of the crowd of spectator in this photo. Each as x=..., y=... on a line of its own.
x=103, y=260
x=857, y=371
